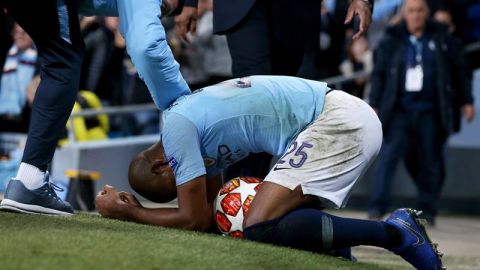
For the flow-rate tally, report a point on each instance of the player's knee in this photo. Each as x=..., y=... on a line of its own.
x=261, y=231
x=253, y=218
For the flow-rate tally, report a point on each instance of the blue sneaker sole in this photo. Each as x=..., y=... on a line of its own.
x=421, y=224
x=13, y=206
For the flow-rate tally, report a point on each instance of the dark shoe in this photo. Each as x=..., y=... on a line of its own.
x=416, y=248
x=42, y=200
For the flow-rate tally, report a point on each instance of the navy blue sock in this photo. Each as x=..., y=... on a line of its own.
x=315, y=230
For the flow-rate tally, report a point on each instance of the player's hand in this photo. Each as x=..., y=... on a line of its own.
x=129, y=198
x=360, y=8
x=468, y=112
x=186, y=22
x=168, y=6
x=109, y=203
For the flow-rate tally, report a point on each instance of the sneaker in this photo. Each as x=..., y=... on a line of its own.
x=42, y=200
x=416, y=248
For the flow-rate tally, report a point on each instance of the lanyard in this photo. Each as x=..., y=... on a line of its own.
x=418, y=47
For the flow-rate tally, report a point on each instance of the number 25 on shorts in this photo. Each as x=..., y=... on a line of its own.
x=298, y=153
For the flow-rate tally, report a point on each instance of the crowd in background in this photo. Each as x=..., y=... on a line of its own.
x=109, y=74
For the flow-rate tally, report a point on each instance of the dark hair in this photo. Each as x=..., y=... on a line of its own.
x=152, y=186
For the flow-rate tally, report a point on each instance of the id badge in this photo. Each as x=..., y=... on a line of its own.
x=414, y=79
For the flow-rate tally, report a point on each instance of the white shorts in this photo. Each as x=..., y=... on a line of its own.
x=333, y=152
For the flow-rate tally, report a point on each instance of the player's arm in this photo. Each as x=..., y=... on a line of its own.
x=194, y=212
x=214, y=184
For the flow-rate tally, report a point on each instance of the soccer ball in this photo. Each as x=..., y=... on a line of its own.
x=232, y=203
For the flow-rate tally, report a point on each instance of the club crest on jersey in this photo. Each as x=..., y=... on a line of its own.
x=172, y=162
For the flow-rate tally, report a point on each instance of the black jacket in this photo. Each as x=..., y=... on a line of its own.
x=298, y=19
x=453, y=84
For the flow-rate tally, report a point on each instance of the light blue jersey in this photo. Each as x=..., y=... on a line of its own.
x=219, y=125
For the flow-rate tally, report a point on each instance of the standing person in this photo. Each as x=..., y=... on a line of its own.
x=267, y=37
x=53, y=25
x=419, y=83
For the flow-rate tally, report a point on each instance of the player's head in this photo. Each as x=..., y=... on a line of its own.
x=415, y=13
x=150, y=175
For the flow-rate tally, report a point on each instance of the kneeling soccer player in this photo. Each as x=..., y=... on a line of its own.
x=325, y=139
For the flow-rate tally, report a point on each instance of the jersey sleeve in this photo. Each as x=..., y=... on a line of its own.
x=182, y=148
x=98, y=8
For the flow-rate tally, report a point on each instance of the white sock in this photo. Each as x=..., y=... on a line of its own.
x=31, y=176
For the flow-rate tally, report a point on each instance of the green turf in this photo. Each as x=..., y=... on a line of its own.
x=91, y=242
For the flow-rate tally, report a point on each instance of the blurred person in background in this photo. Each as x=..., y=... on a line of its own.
x=419, y=81
x=360, y=58
x=260, y=38
x=98, y=40
x=115, y=79
x=18, y=71
x=217, y=62
x=444, y=17
x=89, y=128
x=6, y=25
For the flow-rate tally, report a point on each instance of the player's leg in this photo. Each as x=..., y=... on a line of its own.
x=288, y=43
x=147, y=45
x=395, y=143
x=53, y=25
x=325, y=161
x=281, y=216
x=429, y=162
x=249, y=43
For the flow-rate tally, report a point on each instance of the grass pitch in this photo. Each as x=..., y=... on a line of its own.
x=87, y=241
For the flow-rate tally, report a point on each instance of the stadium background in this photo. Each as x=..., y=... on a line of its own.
x=133, y=122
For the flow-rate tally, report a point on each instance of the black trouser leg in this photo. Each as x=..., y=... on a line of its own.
x=53, y=25
x=425, y=162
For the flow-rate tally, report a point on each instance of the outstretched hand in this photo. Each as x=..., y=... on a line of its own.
x=360, y=8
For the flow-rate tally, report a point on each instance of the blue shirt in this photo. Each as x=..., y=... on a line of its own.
x=422, y=52
x=219, y=125
x=18, y=71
